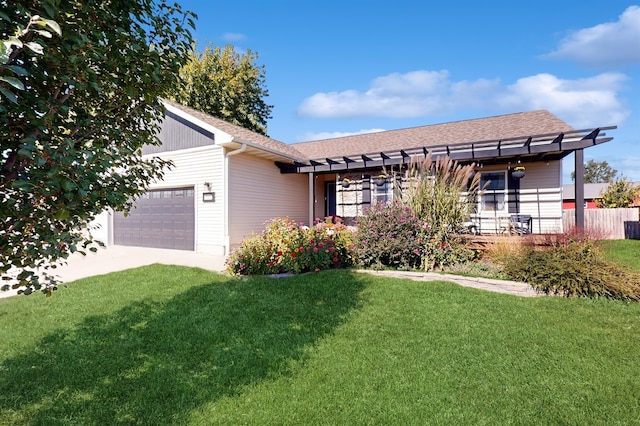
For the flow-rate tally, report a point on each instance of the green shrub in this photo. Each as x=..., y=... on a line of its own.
x=572, y=266
x=443, y=248
x=285, y=246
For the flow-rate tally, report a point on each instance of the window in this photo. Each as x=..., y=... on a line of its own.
x=383, y=193
x=495, y=192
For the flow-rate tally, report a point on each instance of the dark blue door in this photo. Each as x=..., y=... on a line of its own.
x=330, y=198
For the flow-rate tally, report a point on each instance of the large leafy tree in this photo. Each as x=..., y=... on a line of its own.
x=76, y=109
x=597, y=172
x=227, y=85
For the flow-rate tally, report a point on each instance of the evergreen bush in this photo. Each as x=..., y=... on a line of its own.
x=572, y=266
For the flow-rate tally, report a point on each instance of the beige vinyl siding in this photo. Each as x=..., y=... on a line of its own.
x=193, y=167
x=259, y=192
x=541, y=196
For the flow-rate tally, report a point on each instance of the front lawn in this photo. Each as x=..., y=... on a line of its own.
x=166, y=345
x=625, y=252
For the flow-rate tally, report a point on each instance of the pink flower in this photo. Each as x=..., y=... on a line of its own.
x=315, y=249
x=320, y=245
x=335, y=259
x=331, y=249
x=301, y=249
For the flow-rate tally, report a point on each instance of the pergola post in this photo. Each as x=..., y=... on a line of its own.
x=579, y=188
x=312, y=197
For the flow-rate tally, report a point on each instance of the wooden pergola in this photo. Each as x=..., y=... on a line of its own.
x=533, y=148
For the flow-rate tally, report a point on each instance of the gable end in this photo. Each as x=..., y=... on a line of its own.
x=179, y=133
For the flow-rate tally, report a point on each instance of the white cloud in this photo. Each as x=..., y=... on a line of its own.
x=581, y=103
x=612, y=43
x=411, y=83
x=414, y=94
x=630, y=167
x=233, y=37
x=310, y=136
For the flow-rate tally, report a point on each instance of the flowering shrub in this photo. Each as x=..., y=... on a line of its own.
x=389, y=235
x=286, y=246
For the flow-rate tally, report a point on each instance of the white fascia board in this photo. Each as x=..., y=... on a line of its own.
x=263, y=148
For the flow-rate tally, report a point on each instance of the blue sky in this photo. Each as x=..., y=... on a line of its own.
x=336, y=68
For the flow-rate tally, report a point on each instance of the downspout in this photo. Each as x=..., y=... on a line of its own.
x=240, y=150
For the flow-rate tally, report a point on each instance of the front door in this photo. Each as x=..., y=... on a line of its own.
x=330, y=198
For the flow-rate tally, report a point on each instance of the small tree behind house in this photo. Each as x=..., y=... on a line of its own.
x=619, y=194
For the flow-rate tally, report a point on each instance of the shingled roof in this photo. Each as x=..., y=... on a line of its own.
x=240, y=133
x=527, y=136
x=500, y=127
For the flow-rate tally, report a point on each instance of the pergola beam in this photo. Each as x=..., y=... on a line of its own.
x=557, y=146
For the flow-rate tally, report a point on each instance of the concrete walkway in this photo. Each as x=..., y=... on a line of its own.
x=119, y=258
x=498, y=286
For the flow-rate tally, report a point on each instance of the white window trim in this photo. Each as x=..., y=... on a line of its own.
x=505, y=207
x=385, y=191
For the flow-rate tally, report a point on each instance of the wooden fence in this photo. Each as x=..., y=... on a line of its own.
x=610, y=224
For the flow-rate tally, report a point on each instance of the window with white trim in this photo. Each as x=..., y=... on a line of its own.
x=494, y=196
x=382, y=193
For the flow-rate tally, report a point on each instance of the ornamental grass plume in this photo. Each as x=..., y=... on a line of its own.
x=441, y=192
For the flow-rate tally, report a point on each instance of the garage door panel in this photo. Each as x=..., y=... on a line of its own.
x=163, y=218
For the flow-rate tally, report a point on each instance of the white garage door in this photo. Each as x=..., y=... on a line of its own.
x=163, y=218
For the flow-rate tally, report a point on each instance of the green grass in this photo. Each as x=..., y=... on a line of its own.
x=163, y=345
x=625, y=252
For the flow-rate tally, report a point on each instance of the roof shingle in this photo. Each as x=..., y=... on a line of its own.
x=521, y=124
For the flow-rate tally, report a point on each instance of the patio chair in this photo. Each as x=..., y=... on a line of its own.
x=520, y=224
x=470, y=227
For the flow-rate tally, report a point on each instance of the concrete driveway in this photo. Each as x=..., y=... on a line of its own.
x=119, y=258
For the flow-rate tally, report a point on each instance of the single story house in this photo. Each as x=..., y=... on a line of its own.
x=228, y=181
x=592, y=193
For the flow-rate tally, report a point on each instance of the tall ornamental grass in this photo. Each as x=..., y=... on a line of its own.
x=441, y=192
x=421, y=229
